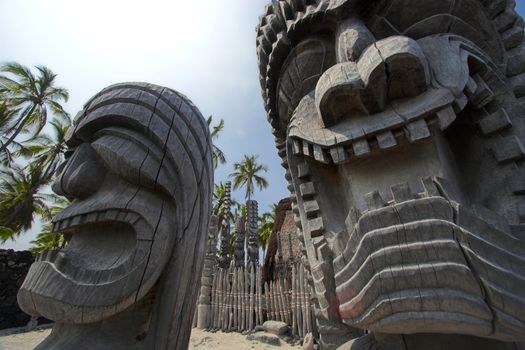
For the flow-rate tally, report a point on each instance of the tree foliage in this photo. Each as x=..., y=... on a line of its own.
x=47, y=239
x=266, y=223
x=28, y=98
x=29, y=165
x=247, y=173
x=218, y=154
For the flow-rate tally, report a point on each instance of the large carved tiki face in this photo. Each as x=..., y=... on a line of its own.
x=139, y=176
x=401, y=130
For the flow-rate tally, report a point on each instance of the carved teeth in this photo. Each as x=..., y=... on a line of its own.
x=509, y=149
x=92, y=217
x=132, y=218
x=64, y=224
x=374, y=200
x=446, y=117
x=77, y=220
x=303, y=170
x=339, y=155
x=297, y=146
x=460, y=102
x=494, y=122
x=311, y=208
x=430, y=187
x=320, y=155
x=316, y=227
x=478, y=92
x=121, y=216
x=307, y=189
x=401, y=192
x=307, y=148
x=386, y=140
x=413, y=131
x=417, y=130
x=96, y=216
x=361, y=148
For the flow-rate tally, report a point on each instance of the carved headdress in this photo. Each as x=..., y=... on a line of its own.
x=140, y=177
x=400, y=126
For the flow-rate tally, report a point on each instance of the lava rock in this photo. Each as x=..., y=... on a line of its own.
x=13, y=269
x=275, y=327
x=264, y=337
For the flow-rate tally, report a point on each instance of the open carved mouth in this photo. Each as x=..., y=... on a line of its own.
x=415, y=260
x=105, y=260
x=359, y=137
x=102, y=246
x=379, y=192
x=138, y=175
x=400, y=133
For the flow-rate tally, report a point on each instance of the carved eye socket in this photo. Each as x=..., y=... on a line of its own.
x=300, y=73
x=135, y=158
x=125, y=158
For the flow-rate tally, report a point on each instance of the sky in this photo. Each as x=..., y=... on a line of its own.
x=202, y=48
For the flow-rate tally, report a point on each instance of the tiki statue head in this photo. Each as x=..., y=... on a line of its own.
x=400, y=127
x=139, y=177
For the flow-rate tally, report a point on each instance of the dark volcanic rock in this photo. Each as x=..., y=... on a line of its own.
x=13, y=269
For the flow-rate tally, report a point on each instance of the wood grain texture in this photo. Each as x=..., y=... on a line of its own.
x=404, y=159
x=141, y=174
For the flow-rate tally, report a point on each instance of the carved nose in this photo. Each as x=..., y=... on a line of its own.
x=390, y=69
x=82, y=175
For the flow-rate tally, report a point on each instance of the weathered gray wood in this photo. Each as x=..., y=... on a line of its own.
x=260, y=317
x=253, y=233
x=138, y=149
x=246, y=303
x=243, y=298
x=224, y=228
x=206, y=292
x=236, y=298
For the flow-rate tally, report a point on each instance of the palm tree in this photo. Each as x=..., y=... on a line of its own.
x=219, y=199
x=218, y=155
x=48, y=239
x=30, y=96
x=20, y=199
x=45, y=151
x=266, y=222
x=7, y=120
x=246, y=173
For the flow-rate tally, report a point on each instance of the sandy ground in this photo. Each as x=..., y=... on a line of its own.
x=199, y=340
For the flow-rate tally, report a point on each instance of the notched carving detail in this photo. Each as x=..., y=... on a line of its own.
x=140, y=176
x=411, y=135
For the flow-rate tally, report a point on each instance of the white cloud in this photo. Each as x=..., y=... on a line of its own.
x=205, y=49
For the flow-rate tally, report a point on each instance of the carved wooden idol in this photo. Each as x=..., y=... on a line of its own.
x=401, y=127
x=140, y=178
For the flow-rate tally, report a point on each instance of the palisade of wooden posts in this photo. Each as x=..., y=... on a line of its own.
x=240, y=301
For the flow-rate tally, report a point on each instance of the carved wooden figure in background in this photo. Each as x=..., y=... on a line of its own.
x=401, y=127
x=140, y=178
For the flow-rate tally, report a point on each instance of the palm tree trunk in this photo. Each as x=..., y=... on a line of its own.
x=18, y=130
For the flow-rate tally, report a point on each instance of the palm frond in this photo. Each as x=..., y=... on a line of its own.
x=246, y=173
